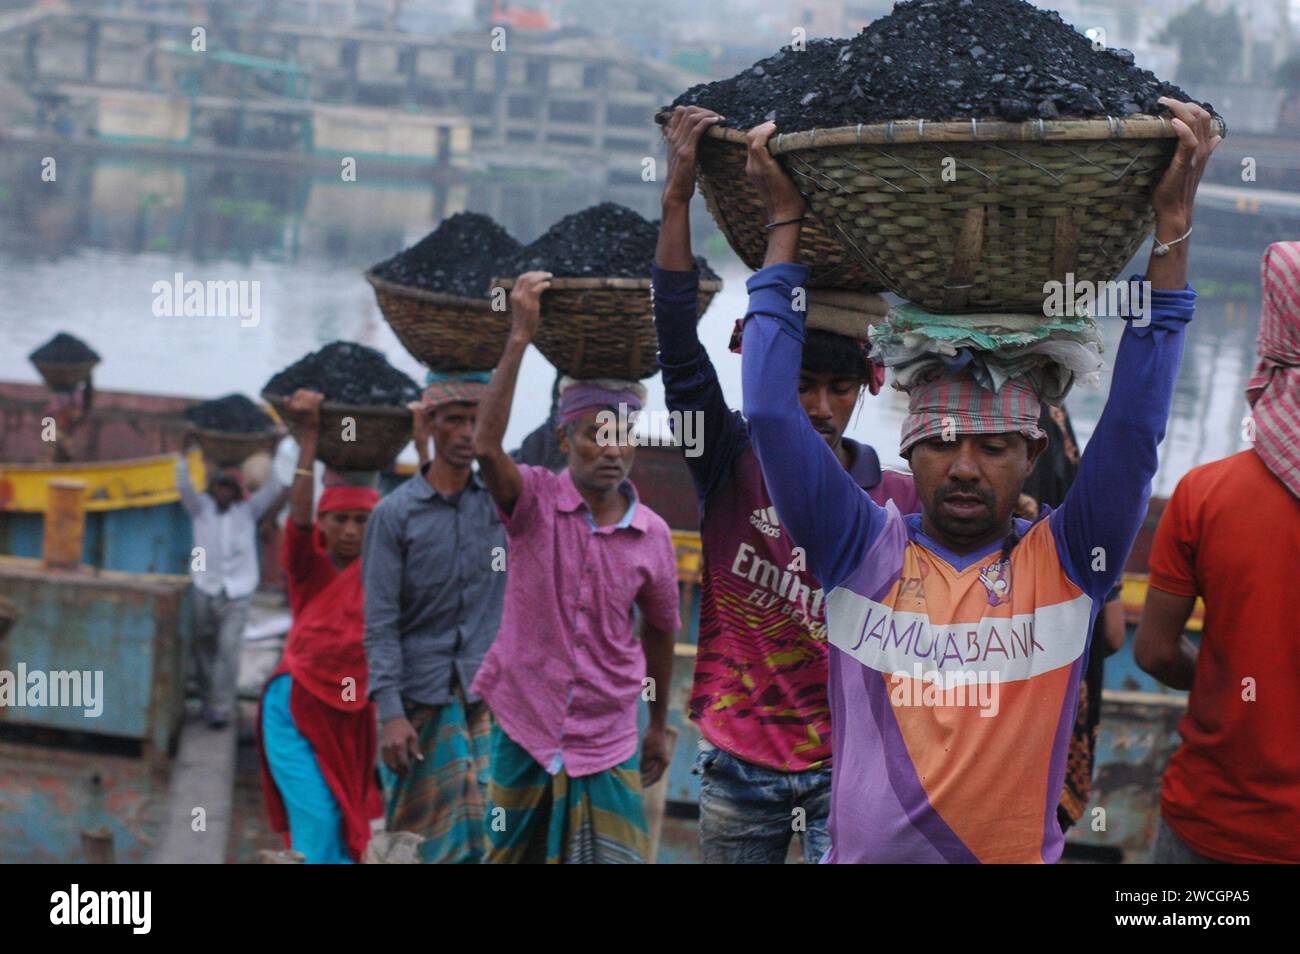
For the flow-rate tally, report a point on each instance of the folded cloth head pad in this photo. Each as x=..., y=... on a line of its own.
x=1053, y=352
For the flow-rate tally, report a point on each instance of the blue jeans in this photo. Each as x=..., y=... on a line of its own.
x=748, y=813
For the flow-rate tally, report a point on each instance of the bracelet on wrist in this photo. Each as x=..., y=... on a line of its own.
x=1159, y=248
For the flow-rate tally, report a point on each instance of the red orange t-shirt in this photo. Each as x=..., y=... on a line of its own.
x=1231, y=534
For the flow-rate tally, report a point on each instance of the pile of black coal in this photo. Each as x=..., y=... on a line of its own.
x=939, y=60
x=603, y=241
x=232, y=414
x=346, y=373
x=63, y=348
x=459, y=257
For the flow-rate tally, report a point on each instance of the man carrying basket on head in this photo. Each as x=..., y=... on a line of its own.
x=919, y=606
x=567, y=670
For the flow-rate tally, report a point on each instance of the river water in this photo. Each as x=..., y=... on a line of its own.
x=81, y=254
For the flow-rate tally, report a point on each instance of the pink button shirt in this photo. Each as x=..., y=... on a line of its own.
x=565, y=673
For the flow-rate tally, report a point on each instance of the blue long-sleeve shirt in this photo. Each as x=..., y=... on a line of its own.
x=928, y=645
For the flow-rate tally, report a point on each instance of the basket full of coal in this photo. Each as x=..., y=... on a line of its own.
x=435, y=294
x=64, y=362
x=231, y=428
x=364, y=421
x=597, y=317
x=964, y=152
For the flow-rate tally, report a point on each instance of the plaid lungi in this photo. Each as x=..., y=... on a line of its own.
x=535, y=817
x=442, y=797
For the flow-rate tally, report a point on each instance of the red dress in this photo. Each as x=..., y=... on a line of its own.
x=327, y=662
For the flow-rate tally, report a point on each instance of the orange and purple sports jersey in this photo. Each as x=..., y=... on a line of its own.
x=963, y=676
x=954, y=678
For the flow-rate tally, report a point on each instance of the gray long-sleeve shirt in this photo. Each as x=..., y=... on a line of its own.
x=434, y=584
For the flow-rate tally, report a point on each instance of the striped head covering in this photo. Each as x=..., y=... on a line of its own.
x=945, y=402
x=1274, y=389
x=454, y=387
x=580, y=397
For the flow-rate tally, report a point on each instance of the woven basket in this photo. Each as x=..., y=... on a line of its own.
x=380, y=433
x=1029, y=202
x=444, y=332
x=64, y=375
x=227, y=448
x=602, y=327
x=740, y=214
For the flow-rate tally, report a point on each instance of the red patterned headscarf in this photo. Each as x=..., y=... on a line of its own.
x=957, y=404
x=1274, y=389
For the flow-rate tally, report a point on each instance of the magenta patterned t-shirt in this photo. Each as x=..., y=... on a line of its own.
x=761, y=665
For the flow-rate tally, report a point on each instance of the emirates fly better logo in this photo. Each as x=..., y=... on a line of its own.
x=766, y=521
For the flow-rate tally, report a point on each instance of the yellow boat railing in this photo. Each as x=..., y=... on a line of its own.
x=110, y=485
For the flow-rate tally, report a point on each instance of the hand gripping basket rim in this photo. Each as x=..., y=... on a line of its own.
x=333, y=407
x=571, y=352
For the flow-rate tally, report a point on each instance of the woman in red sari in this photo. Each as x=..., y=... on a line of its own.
x=316, y=728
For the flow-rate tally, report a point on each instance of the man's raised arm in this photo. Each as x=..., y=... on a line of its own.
x=828, y=514
x=500, y=472
x=690, y=382
x=191, y=499
x=1100, y=516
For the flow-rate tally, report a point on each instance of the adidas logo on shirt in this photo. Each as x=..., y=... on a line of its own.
x=766, y=521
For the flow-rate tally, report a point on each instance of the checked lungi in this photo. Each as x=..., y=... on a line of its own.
x=442, y=797
x=534, y=817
